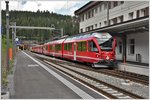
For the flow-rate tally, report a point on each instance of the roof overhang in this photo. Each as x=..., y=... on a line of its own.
x=86, y=7
x=127, y=26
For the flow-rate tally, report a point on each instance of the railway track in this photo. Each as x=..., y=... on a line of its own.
x=116, y=73
x=127, y=75
x=107, y=89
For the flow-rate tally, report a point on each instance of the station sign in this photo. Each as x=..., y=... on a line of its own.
x=17, y=42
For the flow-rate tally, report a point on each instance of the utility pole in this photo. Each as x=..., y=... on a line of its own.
x=15, y=39
x=1, y=47
x=7, y=32
x=13, y=43
x=61, y=32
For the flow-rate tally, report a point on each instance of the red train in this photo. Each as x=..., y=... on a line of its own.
x=95, y=48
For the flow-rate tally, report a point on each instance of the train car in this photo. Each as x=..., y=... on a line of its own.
x=46, y=49
x=38, y=49
x=97, y=49
x=56, y=48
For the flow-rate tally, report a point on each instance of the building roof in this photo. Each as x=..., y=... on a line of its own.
x=86, y=7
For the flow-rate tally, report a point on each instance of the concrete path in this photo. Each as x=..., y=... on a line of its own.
x=32, y=81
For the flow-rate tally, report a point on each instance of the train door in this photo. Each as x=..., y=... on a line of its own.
x=53, y=49
x=93, y=52
x=75, y=51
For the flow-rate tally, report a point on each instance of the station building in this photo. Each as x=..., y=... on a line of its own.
x=128, y=21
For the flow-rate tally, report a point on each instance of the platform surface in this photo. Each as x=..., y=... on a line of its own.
x=32, y=81
x=139, y=69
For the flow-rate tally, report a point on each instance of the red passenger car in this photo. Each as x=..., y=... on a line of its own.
x=95, y=48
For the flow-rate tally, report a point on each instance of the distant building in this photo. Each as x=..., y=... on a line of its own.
x=128, y=21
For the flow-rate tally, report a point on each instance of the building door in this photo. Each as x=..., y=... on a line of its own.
x=75, y=51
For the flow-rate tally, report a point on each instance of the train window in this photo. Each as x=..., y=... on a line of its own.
x=51, y=47
x=79, y=46
x=46, y=48
x=83, y=46
x=58, y=47
x=92, y=46
x=65, y=47
x=68, y=46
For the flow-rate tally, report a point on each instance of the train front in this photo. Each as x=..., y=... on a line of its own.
x=107, y=46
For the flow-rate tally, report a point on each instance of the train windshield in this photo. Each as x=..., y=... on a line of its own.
x=105, y=43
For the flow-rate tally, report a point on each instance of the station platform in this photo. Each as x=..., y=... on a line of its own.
x=134, y=68
x=33, y=81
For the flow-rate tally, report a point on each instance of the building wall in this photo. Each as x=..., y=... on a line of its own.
x=122, y=9
x=141, y=46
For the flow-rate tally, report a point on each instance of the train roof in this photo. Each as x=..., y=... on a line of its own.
x=88, y=36
x=56, y=41
x=37, y=46
x=100, y=35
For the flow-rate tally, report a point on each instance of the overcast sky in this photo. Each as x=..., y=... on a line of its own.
x=61, y=7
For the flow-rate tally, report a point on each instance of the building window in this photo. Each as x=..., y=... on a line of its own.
x=131, y=46
x=89, y=14
x=105, y=23
x=145, y=12
x=86, y=15
x=81, y=30
x=95, y=26
x=115, y=3
x=100, y=8
x=120, y=47
x=120, y=19
x=100, y=24
x=82, y=17
x=91, y=27
x=114, y=20
x=105, y=5
x=137, y=13
x=88, y=28
x=96, y=10
x=130, y=15
x=122, y=2
x=92, y=13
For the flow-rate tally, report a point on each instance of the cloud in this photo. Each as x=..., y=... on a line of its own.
x=62, y=7
x=23, y=2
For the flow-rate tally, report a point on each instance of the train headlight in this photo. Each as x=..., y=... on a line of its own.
x=107, y=58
